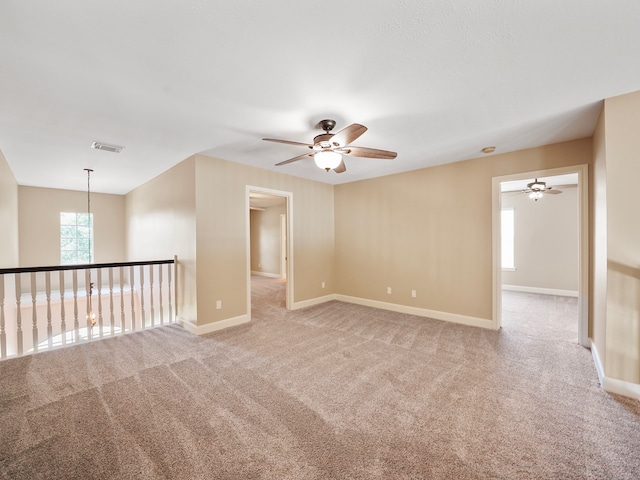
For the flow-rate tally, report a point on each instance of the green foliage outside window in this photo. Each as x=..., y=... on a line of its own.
x=76, y=238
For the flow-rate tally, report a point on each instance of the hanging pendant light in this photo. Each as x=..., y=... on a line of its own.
x=91, y=316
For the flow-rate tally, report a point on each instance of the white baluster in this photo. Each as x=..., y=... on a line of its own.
x=18, y=312
x=34, y=311
x=133, y=311
x=47, y=291
x=160, y=293
x=63, y=324
x=111, y=319
x=153, y=319
x=123, y=325
x=143, y=320
x=173, y=268
x=87, y=290
x=76, y=322
x=3, y=333
x=100, y=320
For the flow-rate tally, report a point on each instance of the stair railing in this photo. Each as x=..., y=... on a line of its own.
x=42, y=308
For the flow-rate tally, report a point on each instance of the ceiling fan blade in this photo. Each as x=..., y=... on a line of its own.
x=348, y=134
x=553, y=192
x=340, y=168
x=370, y=153
x=287, y=142
x=295, y=159
x=568, y=185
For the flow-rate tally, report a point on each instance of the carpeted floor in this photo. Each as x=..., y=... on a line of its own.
x=335, y=391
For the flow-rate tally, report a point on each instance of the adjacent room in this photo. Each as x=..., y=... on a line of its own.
x=540, y=255
x=298, y=241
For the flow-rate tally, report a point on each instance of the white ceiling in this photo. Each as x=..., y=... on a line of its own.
x=260, y=200
x=434, y=80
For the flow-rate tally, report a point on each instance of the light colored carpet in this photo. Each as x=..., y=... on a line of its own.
x=329, y=392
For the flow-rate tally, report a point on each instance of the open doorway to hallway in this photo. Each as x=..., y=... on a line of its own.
x=269, y=244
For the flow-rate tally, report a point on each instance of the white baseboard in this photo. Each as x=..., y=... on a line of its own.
x=613, y=385
x=214, y=326
x=421, y=312
x=265, y=274
x=597, y=362
x=543, y=291
x=313, y=301
x=394, y=307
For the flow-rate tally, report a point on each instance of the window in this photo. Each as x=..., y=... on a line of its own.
x=508, y=235
x=76, y=238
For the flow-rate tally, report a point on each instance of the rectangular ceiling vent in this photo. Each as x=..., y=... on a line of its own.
x=106, y=147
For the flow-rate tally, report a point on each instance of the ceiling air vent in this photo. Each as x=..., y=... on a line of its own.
x=106, y=147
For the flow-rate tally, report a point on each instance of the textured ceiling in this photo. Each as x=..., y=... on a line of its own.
x=433, y=80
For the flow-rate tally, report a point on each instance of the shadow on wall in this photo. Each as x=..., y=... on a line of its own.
x=626, y=270
x=623, y=317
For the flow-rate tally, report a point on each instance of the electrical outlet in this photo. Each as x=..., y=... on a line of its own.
x=413, y=293
x=389, y=290
x=322, y=284
x=218, y=304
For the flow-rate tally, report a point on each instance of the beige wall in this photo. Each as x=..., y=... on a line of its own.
x=9, y=251
x=222, y=235
x=39, y=224
x=265, y=239
x=430, y=230
x=198, y=211
x=622, y=117
x=546, y=241
x=160, y=219
x=598, y=228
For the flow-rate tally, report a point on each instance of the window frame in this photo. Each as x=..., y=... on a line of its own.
x=76, y=247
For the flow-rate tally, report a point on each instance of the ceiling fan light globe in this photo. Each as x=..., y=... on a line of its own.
x=535, y=195
x=327, y=159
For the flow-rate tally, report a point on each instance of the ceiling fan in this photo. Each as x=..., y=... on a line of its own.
x=537, y=189
x=329, y=148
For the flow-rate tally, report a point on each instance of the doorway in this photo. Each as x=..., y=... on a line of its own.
x=269, y=239
x=550, y=265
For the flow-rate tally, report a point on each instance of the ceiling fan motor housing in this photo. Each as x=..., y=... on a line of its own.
x=322, y=141
x=327, y=125
x=537, y=186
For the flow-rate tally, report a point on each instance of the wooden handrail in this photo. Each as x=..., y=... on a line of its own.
x=84, y=266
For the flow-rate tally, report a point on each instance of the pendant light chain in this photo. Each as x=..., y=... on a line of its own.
x=91, y=318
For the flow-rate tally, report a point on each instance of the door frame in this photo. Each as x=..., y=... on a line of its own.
x=283, y=246
x=583, y=243
x=288, y=196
